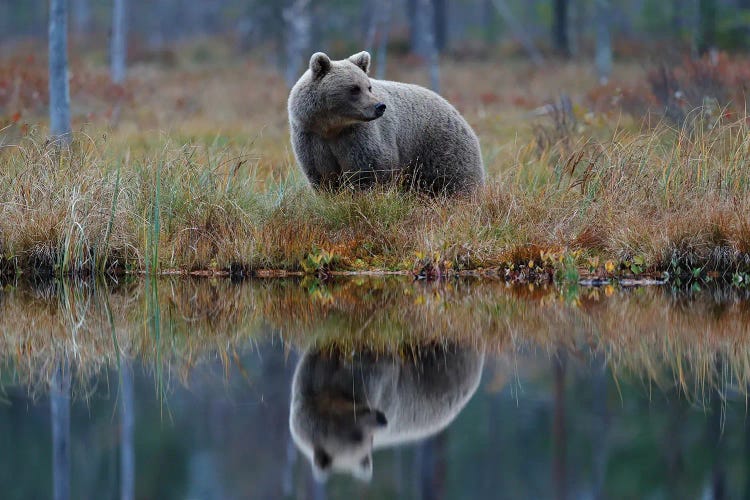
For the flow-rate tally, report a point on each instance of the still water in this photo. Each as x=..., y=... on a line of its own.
x=371, y=388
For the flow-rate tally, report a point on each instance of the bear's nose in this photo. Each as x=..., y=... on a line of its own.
x=379, y=109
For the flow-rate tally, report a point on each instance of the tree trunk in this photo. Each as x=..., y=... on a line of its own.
x=440, y=23
x=560, y=27
x=82, y=17
x=371, y=23
x=60, y=417
x=297, y=19
x=706, y=33
x=413, y=20
x=59, y=88
x=127, y=427
x=603, y=56
x=426, y=29
x=518, y=32
x=383, y=44
x=488, y=22
x=677, y=18
x=119, y=46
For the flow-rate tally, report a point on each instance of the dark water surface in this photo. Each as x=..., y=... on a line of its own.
x=184, y=389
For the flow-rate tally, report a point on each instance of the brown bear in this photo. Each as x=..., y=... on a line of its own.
x=349, y=130
x=342, y=407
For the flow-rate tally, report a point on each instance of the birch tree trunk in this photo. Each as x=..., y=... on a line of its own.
x=119, y=48
x=59, y=87
x=440, y=23
x=706, y=32
x=677, y=18
x=60, y=416
x=297, y=19
x=412, y=17
x=82, y=16
x=560, y=27
x=426, y=30
x=383, y=44
x=371, y=23
x=518, y=32
x=488, y=22
x=603, y=56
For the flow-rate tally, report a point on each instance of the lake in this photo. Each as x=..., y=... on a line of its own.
x=183, y=388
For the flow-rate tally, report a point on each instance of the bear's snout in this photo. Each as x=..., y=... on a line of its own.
x=379, y=109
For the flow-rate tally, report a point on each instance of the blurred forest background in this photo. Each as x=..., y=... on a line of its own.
x=462, y=27
x=170, y=34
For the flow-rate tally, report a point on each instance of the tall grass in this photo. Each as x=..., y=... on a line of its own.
x=663, y=196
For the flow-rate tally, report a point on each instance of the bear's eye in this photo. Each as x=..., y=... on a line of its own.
x=354, y=89
x=369, y=89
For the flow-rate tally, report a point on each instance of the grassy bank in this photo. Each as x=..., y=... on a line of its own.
x=593, y=193
x=635, y=203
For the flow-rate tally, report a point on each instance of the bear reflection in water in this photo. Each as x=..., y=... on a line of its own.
x=344, y=406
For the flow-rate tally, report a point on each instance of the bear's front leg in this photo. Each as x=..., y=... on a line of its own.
x=316, y=160
x=364, y=162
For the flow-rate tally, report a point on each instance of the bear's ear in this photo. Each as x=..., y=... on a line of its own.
x=320, y=64
x=362, y=59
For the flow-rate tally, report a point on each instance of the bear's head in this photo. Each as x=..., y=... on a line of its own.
x=340, y=440
x=332, y=95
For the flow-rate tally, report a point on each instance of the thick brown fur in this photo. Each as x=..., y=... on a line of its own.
x=342, y=138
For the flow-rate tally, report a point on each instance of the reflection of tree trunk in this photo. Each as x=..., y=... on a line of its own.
x=559, y=438
x=599, y=431
x=715, y=441
x=431, y=465
x=60, y=416
x=673, y=445
x=746, y=494
x=127, y=428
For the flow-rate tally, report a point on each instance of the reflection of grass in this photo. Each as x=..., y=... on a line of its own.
x=217, y=193
x=668, y=338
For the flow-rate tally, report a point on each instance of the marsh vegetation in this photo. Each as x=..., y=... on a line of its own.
x=199, y=177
